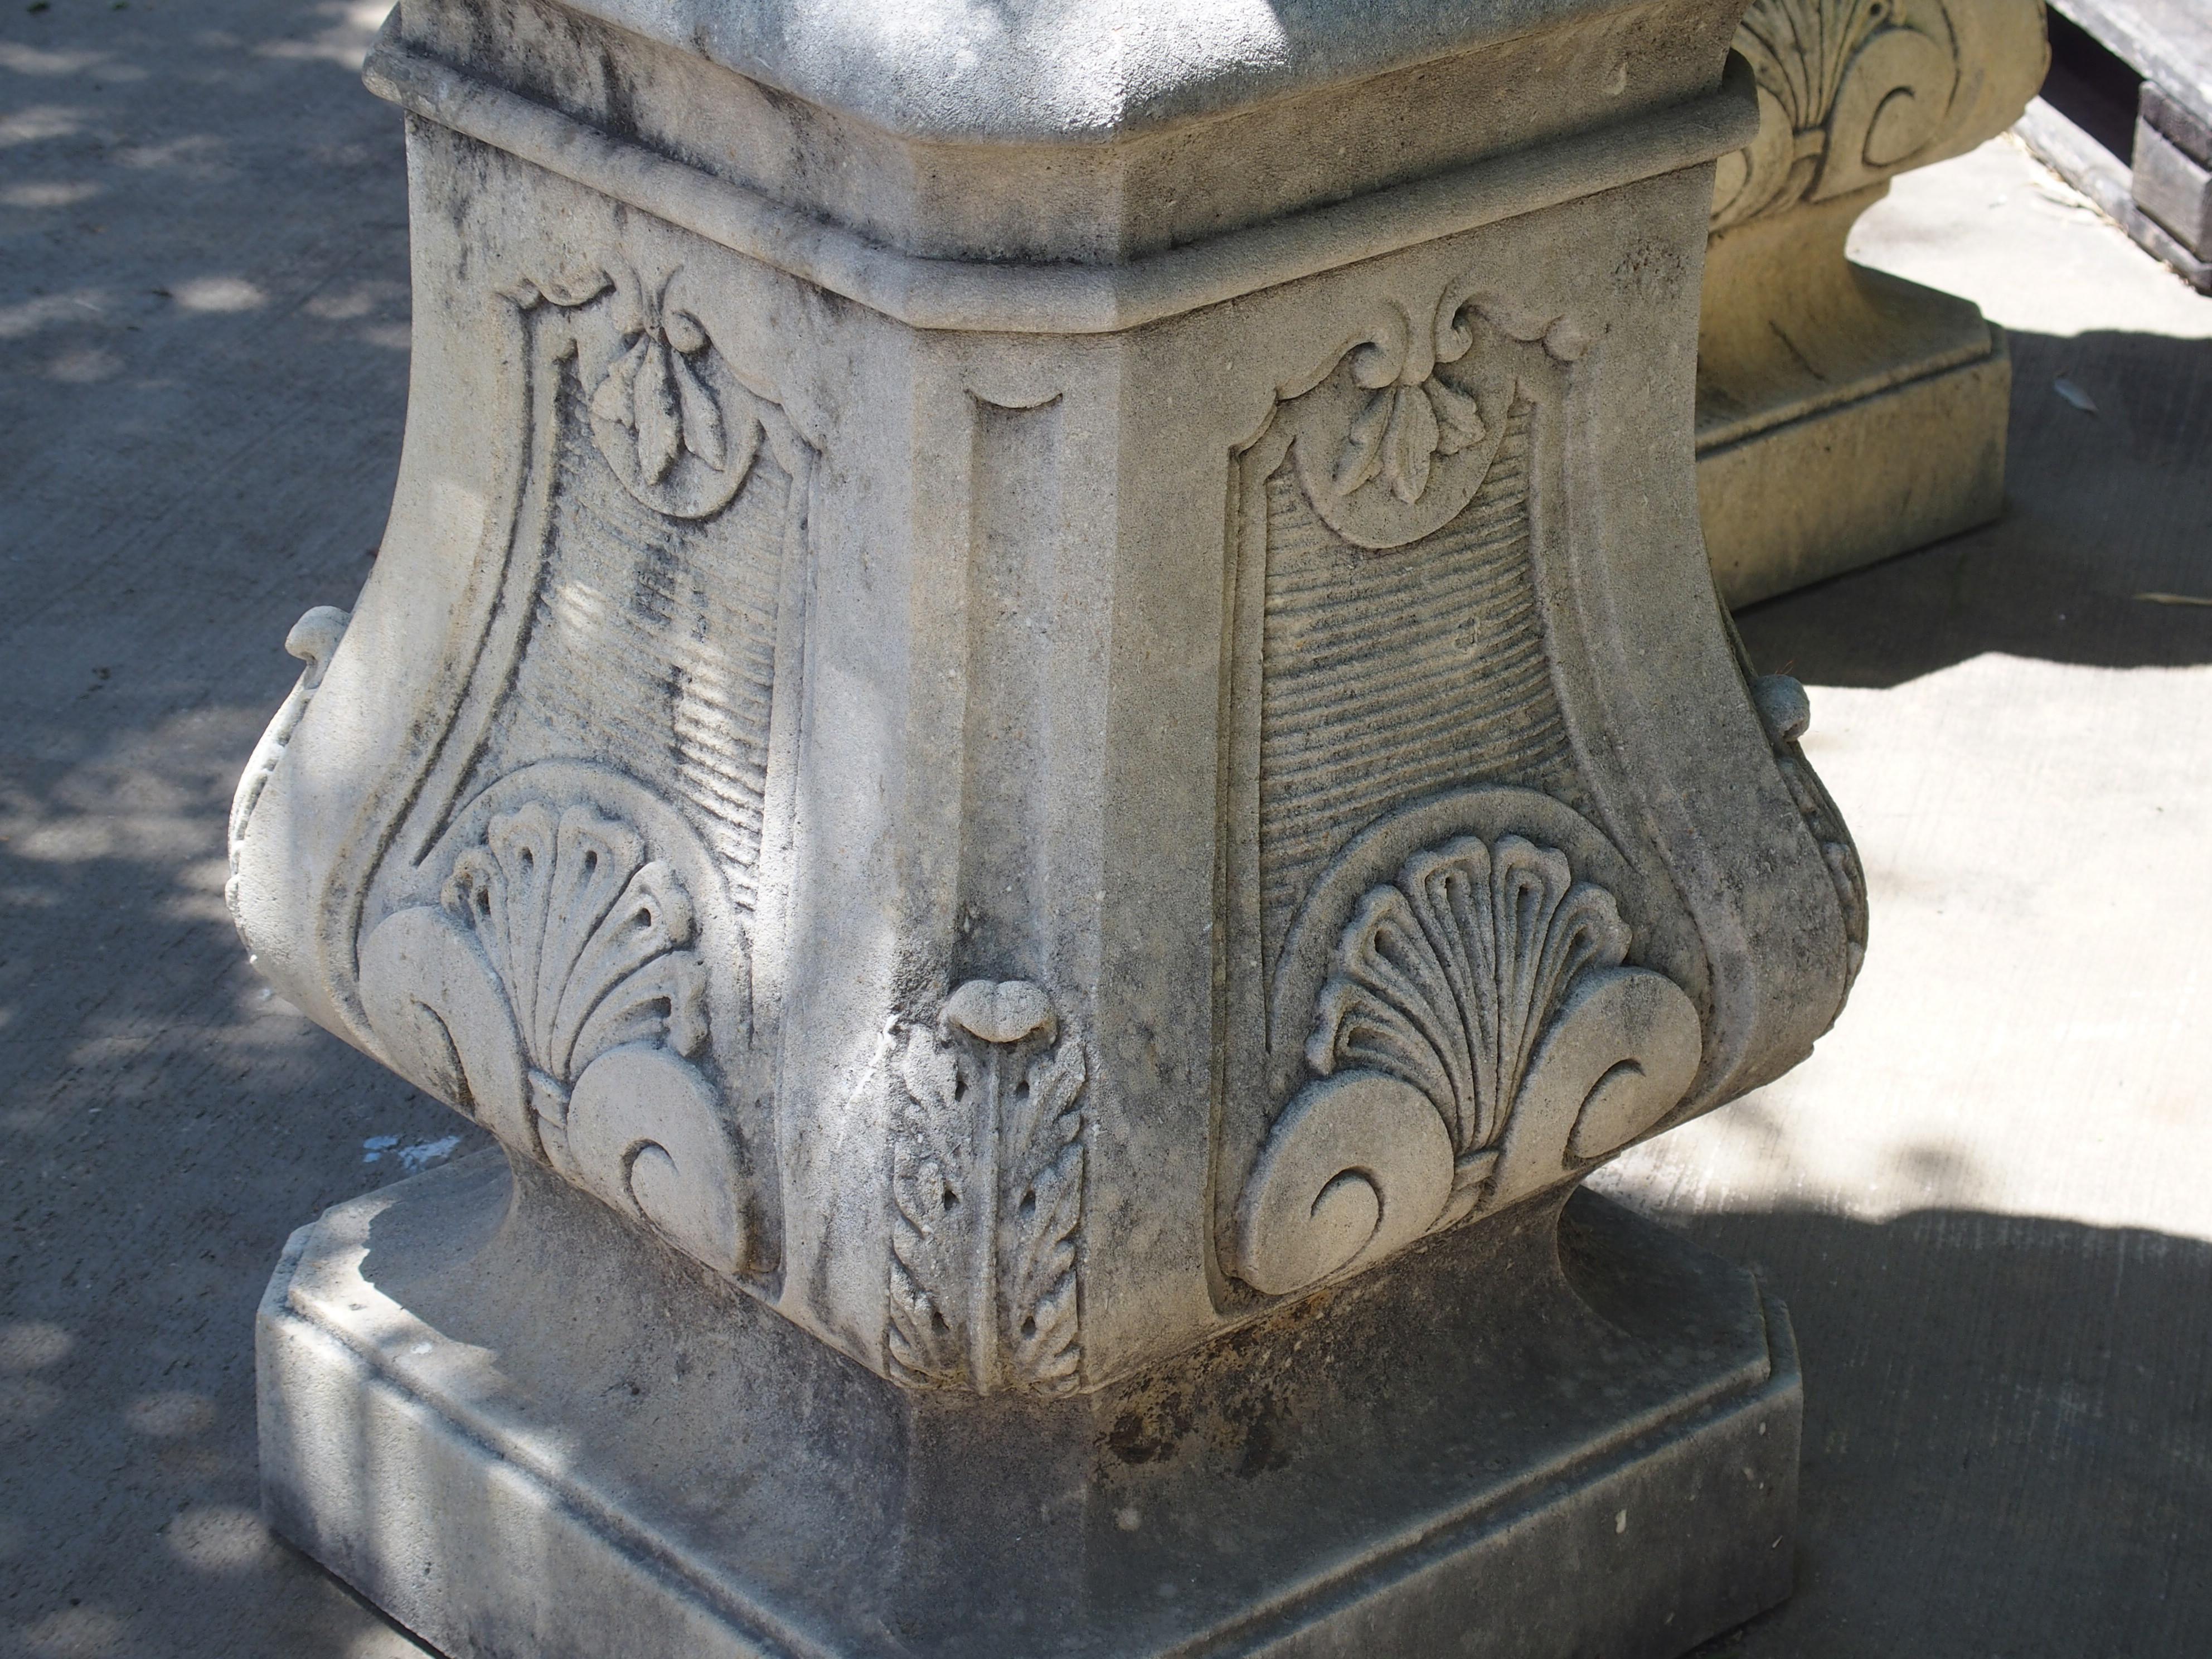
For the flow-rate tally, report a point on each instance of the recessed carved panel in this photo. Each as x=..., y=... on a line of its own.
x=560, y=933
x=655, y=625
x=1387, y=676
x=1444, y=988
x=1387, y=640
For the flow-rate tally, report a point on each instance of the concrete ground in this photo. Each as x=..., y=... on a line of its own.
x=1985, y=1199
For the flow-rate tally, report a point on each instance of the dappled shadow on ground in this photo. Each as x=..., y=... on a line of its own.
x=202, y=312
x=203, y=362
x=2008, y=1436
x=2101, y=508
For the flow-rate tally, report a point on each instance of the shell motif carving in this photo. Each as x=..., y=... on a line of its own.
x=987, y=1188
x=552, y=995
x=1849, y=91
x=1477, y=1041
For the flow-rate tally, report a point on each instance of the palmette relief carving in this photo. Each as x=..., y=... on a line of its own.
x=667, y=412
x=553, y=994
x=1850, y=91
x=1476, y=1041
x=987, y=1186
x=1394, y=436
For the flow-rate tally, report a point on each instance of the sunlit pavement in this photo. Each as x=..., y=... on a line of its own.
x=1985, y=1199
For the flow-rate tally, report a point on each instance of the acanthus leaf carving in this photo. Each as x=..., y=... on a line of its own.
x=668, y=415
x=987, y=1188
x=1849, y=91
x=1390, y=447
x=554, y=994
x=1477, y=1040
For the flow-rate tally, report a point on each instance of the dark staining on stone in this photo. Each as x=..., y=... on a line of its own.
x=1151, y=1428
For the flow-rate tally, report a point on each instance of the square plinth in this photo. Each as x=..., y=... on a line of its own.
x=1847, y=485
x=524, y=1430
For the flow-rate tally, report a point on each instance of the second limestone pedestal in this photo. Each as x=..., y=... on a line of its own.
x=1844, y=413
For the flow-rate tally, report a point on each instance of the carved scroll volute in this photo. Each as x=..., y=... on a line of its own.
x=1891, y=105
x=314, y=640
x=1786, y=714
x=1357, y=1168
x=1477, y=1041
x=987, y=1186
x=554, y=993
x=1850, y=91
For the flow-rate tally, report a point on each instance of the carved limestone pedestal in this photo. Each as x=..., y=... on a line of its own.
x=1844, y=414
x=1044, y=730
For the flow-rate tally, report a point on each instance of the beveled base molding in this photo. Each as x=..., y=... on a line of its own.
x=1858, y=481
x=525, y=1429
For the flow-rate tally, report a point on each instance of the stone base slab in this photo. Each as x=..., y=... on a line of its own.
x=1854, y=483
x=523, y=1431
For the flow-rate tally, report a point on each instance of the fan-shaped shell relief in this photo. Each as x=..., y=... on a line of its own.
x=1477, y=1040
x=554, y=995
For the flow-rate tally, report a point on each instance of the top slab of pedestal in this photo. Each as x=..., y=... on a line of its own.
x=1083, y=130
x=1049, y=71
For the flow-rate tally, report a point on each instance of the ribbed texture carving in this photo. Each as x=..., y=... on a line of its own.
x=1386, y=677
x=657, y=637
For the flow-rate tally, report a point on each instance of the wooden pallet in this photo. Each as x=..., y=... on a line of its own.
x=2126, y=118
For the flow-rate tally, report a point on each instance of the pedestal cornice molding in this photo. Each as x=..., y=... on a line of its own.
x=980, y=296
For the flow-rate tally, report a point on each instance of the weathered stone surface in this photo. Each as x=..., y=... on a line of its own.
x=1845, y=414
x=1029, y=803
x=490, y=1406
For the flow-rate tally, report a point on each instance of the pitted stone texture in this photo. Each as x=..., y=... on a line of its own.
x=522, y=1429
x=880, y=662
x=1001, y=822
